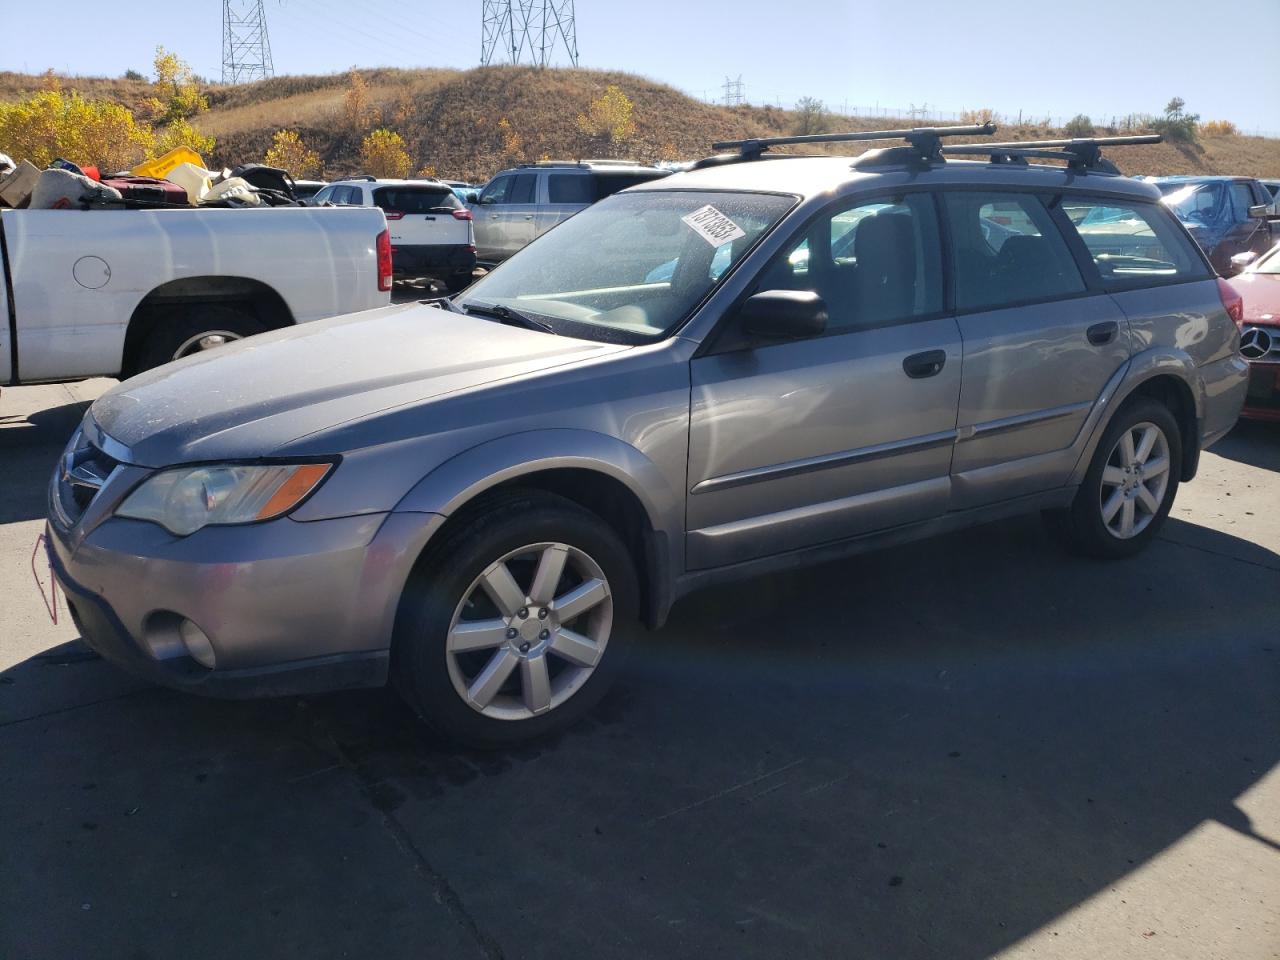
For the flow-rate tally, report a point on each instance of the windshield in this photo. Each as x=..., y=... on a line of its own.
x=1194, y=202
x=633, y=266
x=1269, y=262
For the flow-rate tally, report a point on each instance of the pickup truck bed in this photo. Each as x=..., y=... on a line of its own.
x=113, y=292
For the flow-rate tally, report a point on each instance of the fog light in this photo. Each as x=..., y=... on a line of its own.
x=197, y=644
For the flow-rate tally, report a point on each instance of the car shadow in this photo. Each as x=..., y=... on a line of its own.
x=932, y=751
x=1253, y=442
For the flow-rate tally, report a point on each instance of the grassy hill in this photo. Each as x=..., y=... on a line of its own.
x=452, y=121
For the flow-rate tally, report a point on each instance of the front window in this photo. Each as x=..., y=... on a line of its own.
x=1194, y=202
x=633, y=266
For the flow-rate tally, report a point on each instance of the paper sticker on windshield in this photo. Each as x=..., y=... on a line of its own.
x=713, y=226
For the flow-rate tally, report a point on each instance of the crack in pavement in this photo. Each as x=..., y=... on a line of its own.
x=1219, y=553
x=74, y=706
x=441, y=889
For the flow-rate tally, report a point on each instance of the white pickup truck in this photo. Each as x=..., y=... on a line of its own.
x=113, y=293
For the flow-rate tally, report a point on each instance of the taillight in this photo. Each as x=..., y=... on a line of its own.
x=394, y=214
x=384, y=260
x=462, y=215
x=1232, y=302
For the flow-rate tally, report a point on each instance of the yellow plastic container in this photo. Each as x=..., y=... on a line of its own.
x=159, y=167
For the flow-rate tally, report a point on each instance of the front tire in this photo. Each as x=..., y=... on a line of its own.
x=517, y=622
x=1129, y=487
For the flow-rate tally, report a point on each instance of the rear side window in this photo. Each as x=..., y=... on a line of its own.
x=609, y=183
x=1007, y=251
x=1133, y=244
x=415, y=199
x=569, y=188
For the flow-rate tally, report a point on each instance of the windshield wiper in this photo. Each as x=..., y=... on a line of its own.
x=505, y=314
x=443, y=302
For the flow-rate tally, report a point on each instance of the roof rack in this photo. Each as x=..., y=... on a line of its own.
x=357, y=176
x=588, y=162
x=1081, y=153
x=926, y=142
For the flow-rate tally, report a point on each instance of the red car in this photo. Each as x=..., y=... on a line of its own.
x=1259, y=285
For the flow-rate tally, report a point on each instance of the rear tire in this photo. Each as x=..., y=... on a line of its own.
x=490, y=667
x=184, y=331
x=1129, y=487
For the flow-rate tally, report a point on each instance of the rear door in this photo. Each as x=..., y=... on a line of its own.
x=420, y=216
x=1039, y=345
x=799, y=442
x=568, y=192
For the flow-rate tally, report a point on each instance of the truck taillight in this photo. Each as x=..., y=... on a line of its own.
x=384, y=260
x=1232, y=302
x=462, y=215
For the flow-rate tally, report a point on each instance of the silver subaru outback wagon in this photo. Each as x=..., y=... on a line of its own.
x=754, y=364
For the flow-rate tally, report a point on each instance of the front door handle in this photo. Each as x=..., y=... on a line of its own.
x=927, y=364
x=1101, y=333
x=529, y=217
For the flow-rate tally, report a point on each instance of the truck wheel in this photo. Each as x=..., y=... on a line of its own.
x=516, y=623
x=185, y=331
x=1130, y=485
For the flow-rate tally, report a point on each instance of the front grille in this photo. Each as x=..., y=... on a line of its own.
x=82, y=472
x=1260, y=344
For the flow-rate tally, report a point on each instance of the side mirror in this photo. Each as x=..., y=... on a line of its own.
x=1263, y=211
x=1242, y=260
x=784, y=314
x=473, y=197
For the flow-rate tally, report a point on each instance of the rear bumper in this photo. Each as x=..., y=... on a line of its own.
x=439, y=262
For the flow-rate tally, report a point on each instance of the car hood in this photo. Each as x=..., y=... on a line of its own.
x=1261, y=293
x=250, y=398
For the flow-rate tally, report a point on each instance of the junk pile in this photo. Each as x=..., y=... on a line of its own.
x=176, y=180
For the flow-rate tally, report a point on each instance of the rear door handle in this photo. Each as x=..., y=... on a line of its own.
x=529, y=216
x=927, y=364
x=1101, y=333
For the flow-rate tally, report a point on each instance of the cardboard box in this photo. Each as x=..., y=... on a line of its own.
x=15, y=189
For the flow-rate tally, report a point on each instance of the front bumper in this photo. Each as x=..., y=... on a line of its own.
x=288, y=607
x=448, y=262
x=1263, y=399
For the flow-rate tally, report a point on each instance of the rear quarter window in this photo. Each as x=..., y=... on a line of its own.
x=569, y=188
x=1133, y=244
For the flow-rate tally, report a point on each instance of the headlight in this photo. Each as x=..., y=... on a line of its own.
x=184, y=499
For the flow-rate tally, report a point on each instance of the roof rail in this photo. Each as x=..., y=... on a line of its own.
x=1081, y=153
x=357, y=176
x=926, y=142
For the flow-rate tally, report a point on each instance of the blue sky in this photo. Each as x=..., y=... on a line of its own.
x=1041, y=58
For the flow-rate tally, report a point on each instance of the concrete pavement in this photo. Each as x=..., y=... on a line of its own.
x=962, y=748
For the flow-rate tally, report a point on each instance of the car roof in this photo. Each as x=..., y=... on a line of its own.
x=813, y=176
x=374, y=184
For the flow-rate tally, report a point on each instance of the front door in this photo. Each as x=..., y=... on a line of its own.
x=803, y=442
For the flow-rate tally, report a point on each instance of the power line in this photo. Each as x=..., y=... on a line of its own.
x=246, y=48
x=520, y=31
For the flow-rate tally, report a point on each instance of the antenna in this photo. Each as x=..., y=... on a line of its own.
x=520, y=31
x=733, y=96
x=246, y=48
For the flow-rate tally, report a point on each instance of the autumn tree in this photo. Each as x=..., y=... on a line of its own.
x=180, y=133
x=52, y=123
x=359, y=114
x=383, y=154
x=176, y=95
x=288, y=152
x=608, y=116
x=1079, y=126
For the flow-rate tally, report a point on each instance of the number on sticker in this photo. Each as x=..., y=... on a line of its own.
x=713, y=226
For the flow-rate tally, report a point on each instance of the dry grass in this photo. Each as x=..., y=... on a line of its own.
x=450, y=120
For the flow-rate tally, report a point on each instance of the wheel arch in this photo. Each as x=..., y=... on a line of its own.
x=258, y=298
x=601, y=474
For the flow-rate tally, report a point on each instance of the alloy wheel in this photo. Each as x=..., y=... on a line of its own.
x=529, y=631
x=208, y=340
x=1134, y=480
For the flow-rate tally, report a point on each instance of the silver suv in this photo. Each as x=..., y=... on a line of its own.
x=755, y=364
x=523, y=203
